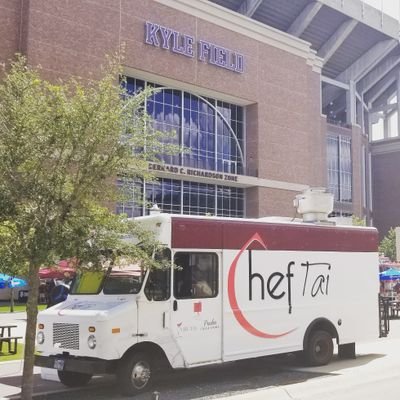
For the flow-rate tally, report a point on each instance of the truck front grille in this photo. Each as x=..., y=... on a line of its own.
x=66, y=336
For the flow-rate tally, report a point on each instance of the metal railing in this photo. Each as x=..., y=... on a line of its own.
x=384, y=306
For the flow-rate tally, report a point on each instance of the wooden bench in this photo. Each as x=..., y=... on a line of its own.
x=10, y=340
x=4, y=328
x=7, y=337
x=394, y=311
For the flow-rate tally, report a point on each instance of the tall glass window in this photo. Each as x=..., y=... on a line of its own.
x=213, y=133
x=340, y=167
x=183, y=197
x=210, y=129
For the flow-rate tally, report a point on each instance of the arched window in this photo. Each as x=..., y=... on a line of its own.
x=213, y=133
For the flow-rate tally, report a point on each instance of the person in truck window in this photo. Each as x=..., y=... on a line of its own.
x=201, y=287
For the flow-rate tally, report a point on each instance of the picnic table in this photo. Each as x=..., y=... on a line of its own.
x=394, y=308
x=7, y=337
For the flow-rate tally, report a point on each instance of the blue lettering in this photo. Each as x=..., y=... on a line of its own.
x=151, y=34
x=168, y=39
x=177, y=47
x=166, y=35
x=239, y=63
x=220, y=57
x=188, y=41
x=204, y=50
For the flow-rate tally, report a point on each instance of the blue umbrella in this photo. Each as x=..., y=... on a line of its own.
x=390, y=274
x=7, y=281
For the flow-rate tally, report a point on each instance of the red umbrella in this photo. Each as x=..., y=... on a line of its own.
x=59, y=271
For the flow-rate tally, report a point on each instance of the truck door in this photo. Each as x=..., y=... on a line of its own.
x=196, y=316
x=154, y=303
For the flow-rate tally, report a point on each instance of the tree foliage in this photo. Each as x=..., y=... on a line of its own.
x=62, y=147
x=357, y=221
x=388, y=245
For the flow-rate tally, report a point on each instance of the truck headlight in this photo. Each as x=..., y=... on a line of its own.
x=91, y=342
x=40, y=337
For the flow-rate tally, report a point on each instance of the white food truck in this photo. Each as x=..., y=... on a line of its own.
x=235, y=289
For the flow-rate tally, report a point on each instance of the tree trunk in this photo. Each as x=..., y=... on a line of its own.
x=30, y=333
x=12, y=300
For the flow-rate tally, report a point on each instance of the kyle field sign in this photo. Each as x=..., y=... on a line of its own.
x=180, y=43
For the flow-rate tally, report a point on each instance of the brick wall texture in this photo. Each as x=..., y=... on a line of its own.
x=285, y=131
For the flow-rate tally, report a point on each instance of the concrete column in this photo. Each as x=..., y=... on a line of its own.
x=398, y=104
x=385, y=127
x=351, y=103
x=359, y=114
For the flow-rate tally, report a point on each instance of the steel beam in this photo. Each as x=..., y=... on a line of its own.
x=380, y=87
x=300, y=24
x=385, y=108
x=377, y=74
x=249, y=7
x=368, y=61
x=334, y=82
x=361, y=67
x=381, y=101
x=336, y=40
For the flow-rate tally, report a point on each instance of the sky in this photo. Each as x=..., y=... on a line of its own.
x=390, y=7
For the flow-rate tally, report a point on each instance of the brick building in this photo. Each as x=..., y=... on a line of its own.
x=269, y=99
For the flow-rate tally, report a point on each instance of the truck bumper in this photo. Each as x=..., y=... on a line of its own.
x=88, y=365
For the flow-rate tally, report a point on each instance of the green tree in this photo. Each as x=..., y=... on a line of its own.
x=357, y=221
x=388, y=245
x=62, y=146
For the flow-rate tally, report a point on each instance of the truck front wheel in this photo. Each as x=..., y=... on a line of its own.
x=135, y=374
x=73, y=379
x=319, y=350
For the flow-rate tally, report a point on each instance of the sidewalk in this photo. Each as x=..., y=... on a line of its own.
x=11, y=377
x=11, y=371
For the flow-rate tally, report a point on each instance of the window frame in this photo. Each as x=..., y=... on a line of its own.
x=213, y=283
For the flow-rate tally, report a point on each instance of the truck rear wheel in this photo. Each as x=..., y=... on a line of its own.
x=73, y=379
x=319, y=350
x=135, y=374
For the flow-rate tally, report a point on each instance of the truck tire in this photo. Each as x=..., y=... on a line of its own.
x=134, y=374
x=319, y=350
x=73, y=379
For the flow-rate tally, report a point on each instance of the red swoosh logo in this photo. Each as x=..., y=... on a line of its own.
x=237, y=312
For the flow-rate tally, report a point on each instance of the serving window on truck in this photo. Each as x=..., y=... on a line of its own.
x=195, y=275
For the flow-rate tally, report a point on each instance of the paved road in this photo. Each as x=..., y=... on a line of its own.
x=206, y=383
x=375, y=373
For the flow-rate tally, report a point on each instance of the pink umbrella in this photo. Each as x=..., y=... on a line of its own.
x=59, y=271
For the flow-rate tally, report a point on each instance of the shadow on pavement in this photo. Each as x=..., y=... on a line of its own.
x=204, y=382
x=232, y=378
x=337, y=364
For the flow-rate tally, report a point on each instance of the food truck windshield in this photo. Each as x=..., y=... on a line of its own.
x=118, y=280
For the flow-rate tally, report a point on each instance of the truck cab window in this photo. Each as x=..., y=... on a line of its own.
x=158, y=285
x=195, y=275
x=127, y=280
x=87, y=282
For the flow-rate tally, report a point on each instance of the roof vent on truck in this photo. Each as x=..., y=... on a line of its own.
x=314, y=204
x=155, y=210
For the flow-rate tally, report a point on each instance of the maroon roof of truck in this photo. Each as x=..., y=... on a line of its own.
x=199, y=233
